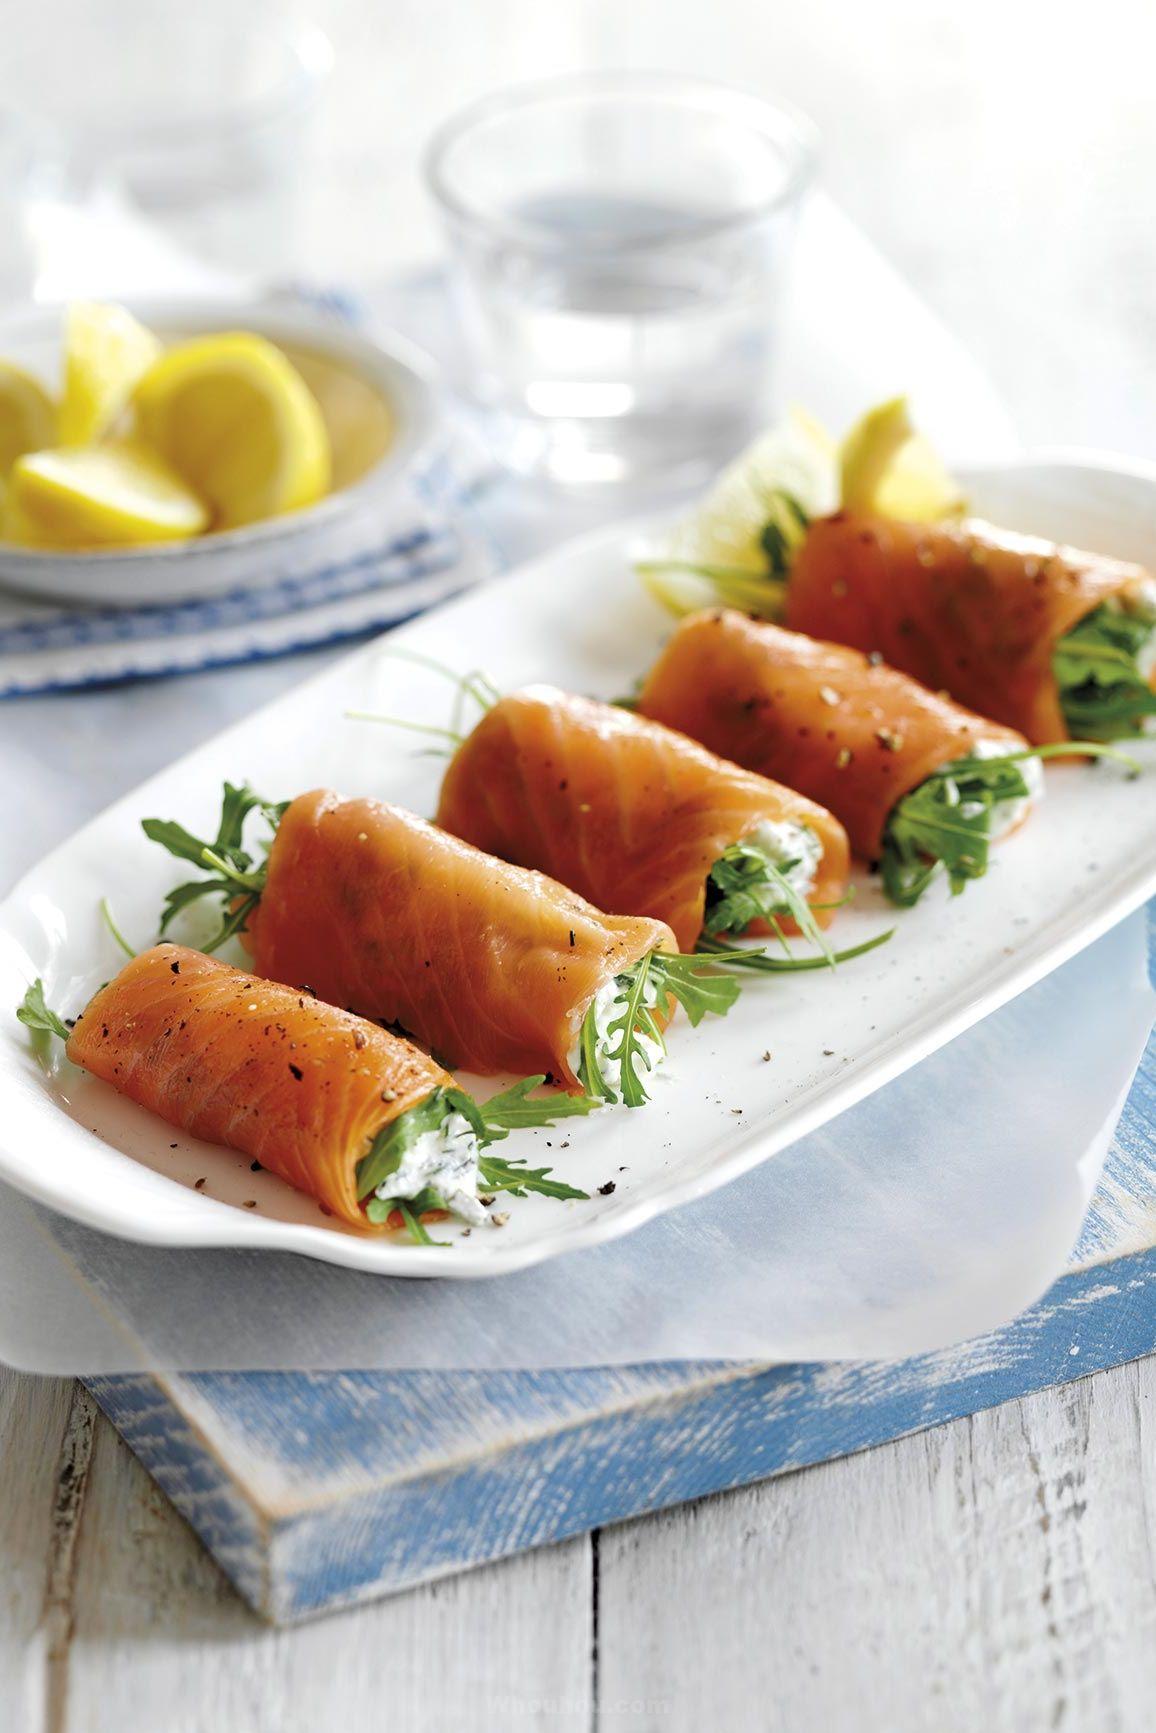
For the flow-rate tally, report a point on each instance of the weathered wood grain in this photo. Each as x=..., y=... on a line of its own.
x=43, y=1449
x=323, y=1490
x=113, y=1617
x=998, y=1573
x=160, y=1640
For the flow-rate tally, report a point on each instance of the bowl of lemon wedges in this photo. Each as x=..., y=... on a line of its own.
x=169, y=452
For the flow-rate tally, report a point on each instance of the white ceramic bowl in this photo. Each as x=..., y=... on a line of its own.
x=352, y=519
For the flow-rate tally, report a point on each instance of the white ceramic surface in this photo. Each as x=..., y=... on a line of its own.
x=346, y=522
x=577, y=617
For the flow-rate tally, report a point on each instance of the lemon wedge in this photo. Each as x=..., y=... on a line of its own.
x=234, y=418
x=106, y=351
x=889, y=469
x=27, y=415
x=102, y=496
x=735, y=548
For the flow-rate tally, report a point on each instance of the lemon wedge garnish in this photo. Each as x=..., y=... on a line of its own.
x=102, y=496
x=735, y=548
x=232, y=415
x=106, y=351
x=27, y=415
x=888, y=469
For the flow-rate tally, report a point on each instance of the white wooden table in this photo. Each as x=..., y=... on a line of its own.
x=998, y=1572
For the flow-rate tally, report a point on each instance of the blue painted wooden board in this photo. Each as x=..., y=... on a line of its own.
x=317, y=1491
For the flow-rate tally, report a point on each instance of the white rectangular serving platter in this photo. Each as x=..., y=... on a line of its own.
x=796, y=1051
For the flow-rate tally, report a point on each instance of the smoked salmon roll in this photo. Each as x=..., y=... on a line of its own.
x=1056, y=643
x=638, y=818
x=491, y=967
x=358, y=1117
x=916, y=779
x=298, y=1085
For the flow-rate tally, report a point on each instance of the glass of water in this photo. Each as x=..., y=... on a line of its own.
x=619, y=243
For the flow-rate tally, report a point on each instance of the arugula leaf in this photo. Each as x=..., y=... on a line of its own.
x=236, y=805
x=244, y=880
x=1103, y=694
x=517, y=1179
x=513, y=1110
x=737, y=957
x=698, y=992
x=516, y=1110
x=787, y=523
x=745, y=885
x=394, y=1141
x=235, y=921
x=411, y=1214
x=629, y=1026
x=762, y=593
x=946, y=822
x=378, y=1210
x=35, y=1014
x=173, y=836
x=699, y=988
x=589, y=1068
x=233, y=873
x=182, y=895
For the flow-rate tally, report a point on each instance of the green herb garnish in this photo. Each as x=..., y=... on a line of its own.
x=787, y=523
x=642, y=988
x=632, y=987
x=516, y=1110
x=474, y=684
x=411, y=1209
x=697, y=990
x=35, y=1014
x=738, y=957
x=411, y=1214
x=514, y=1177
x=490, y=1121
x=745, y=885
x=394, y=1141
x=1103, y=694
x=634, y=1021
x=684, y=585
x=233, y=872
x=946, y=821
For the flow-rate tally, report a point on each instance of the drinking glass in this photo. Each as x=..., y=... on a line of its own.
x=618, y=247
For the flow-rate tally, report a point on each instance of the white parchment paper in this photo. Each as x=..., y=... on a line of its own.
x=932, y=1212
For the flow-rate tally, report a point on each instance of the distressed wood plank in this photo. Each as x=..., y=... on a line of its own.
x=301, y=1487
x=998, y=1572
x=160, y=1640
x=45, y=1440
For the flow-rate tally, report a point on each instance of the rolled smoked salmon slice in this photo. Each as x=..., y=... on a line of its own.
x=966, y=608
x=627, y=812
x=298, y=1085
x=490, y=966
x=844, y=729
